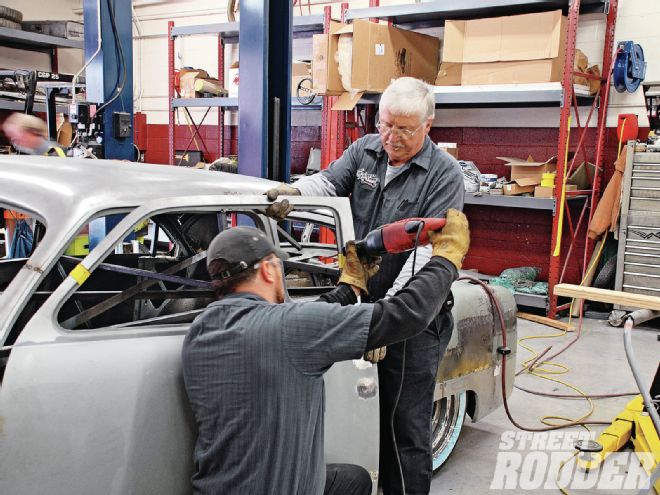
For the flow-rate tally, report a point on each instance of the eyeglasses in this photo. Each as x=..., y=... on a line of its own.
x=387, y=129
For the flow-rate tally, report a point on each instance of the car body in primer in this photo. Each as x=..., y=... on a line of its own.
x=92, y=400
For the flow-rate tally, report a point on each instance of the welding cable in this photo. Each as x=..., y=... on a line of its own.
x=420, y=227
x=497, y=309
x=570, y=311
x=576, y=396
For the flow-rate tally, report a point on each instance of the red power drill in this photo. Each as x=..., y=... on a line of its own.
x=398, y=237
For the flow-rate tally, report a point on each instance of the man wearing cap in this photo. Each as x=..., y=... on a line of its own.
x=253, y=365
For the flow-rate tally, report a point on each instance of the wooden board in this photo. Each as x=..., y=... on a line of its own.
x=609, y=296
x=545, y=321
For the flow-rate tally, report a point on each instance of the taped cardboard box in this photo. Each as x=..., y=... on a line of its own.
x=378, y=53
x=528, y=172
x=518, y=49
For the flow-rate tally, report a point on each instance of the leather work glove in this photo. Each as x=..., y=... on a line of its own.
x=283, y=189
x=280, y=209
x=356, y=272
x=453, y=241
x=375, y=355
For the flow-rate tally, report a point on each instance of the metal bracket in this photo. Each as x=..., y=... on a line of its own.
x=606, y=7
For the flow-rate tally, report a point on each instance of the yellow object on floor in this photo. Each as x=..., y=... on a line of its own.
x=632, y=424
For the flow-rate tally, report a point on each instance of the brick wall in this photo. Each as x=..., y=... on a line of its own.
x=501, y=237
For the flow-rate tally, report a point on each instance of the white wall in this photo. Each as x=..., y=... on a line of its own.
x=69, y=60
x=638, y=20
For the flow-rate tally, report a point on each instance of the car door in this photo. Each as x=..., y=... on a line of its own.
x=103, y=409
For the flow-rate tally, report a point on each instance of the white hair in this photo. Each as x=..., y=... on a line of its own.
x=407, y=96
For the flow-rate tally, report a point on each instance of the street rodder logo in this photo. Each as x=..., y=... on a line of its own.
x=548, y=460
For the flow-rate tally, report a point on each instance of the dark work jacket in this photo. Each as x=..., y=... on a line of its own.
x=432, y=184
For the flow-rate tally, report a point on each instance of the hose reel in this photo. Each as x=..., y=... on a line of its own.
x=629, y=67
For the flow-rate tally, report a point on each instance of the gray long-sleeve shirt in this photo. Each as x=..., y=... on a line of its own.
x=427, y=186
x=253, y=372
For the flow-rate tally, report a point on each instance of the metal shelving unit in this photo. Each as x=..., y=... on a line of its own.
x=562, y=94
x=527, y=202
x=302, y=26
x=231, y=103
x=26, y=40
x=500, y=95
x=36, y=42
x=227, y=33
x=435, y=13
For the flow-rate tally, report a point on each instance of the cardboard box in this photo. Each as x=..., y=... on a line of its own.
x=544, y=192
x=187, y=78
x=515, y=189
x=548, y=192
x=528, y=172
x=451, y=148
x=526, y=48
x=380, y=53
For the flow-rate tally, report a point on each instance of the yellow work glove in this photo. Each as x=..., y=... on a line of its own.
x=453, y=241
x=375, y=355
x=356, y=272
x=280, y=209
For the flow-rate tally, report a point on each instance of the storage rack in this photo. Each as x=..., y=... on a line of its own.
x=36, y=42
x=341, y=127
x=228, y=33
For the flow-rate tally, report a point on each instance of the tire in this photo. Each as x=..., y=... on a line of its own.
x=605, y=280
x=606, y=276
x=6, y=23
x=446, y=425
x=11, y=14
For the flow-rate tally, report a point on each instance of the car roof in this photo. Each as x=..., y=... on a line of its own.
x=49, y=186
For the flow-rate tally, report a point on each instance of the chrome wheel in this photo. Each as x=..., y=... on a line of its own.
x=446, y=424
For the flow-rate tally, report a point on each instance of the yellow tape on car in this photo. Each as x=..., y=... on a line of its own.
x=80, y=274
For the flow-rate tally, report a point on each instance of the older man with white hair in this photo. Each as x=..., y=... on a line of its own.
x=397, y=174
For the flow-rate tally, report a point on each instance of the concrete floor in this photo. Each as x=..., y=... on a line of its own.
x=597, y=365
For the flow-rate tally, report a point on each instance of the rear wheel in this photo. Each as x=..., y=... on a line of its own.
x=446, y=424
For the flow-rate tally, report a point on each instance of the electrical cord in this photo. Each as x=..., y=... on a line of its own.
x=420, y=227
x=121, y=67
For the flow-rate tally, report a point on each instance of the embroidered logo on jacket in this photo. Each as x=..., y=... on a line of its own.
x=368, y=179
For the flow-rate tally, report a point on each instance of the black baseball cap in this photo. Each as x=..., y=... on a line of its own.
x=241, y=248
